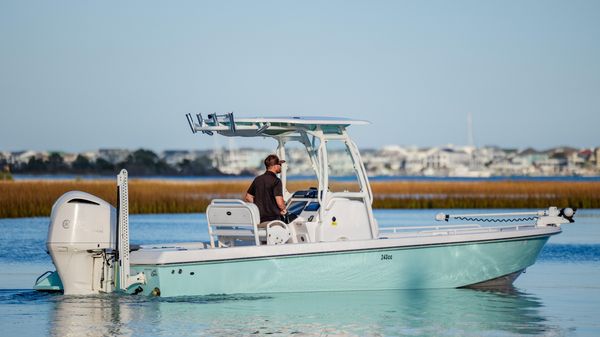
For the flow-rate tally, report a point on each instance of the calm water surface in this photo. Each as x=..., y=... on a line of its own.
x=558, y=296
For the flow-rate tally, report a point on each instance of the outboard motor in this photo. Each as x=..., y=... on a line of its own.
x=82, y=243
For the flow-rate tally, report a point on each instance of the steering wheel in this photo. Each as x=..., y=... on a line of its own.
x=288, y=217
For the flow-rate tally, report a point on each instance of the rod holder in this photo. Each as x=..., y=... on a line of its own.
x=231, y=122
x=190, y=122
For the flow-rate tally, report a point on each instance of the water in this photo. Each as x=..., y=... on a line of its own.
x=558, y=296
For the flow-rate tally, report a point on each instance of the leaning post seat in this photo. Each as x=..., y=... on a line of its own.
x=232, y=218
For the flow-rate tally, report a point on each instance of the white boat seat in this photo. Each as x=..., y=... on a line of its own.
x=231, y=220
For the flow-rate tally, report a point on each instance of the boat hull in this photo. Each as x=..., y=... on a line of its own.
x=433, y=266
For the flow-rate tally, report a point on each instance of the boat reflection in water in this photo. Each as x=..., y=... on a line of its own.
x=367, y=313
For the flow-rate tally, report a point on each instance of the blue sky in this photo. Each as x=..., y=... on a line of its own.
x=84, y=75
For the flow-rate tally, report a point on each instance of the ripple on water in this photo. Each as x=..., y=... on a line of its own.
x=570, y=253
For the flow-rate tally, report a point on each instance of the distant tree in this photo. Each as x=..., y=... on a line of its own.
x=103, y=166
x=144, y=157
x=145, y=162
x=82, y=165
x=56, y=163
x=34, y=165
x=201, y=166
x=184, y=167
x=140, y=162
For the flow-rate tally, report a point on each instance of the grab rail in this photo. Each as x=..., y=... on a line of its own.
x=396, y=229
x=227, y=201
x=449, y=230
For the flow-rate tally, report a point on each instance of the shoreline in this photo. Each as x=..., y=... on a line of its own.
x=21, y=198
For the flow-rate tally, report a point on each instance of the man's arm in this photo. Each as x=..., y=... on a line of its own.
x=251, y=192
x=281, y=205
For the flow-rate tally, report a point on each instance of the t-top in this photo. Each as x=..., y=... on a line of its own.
x=265, y=188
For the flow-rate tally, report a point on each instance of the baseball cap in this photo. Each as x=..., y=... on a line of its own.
x=273, y=160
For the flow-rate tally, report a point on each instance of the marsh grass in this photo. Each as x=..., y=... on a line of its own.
x=35, y=198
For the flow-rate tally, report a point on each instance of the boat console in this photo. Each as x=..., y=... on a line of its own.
x=303, y=204
x=303, y=215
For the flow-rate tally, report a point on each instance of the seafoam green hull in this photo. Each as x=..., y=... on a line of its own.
x=443, y=266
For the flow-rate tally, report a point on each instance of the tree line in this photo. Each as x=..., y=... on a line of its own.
x=141, y=162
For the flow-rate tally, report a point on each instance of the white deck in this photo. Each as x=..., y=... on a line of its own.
x=181, y=254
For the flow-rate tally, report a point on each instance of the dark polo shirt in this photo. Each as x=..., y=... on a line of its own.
x=265, y=188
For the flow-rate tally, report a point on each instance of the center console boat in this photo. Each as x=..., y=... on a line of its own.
x=330, y=241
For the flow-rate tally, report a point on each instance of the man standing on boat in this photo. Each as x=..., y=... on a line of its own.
x=266, y=192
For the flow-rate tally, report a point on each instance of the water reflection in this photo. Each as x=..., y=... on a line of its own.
x=106, y=315
x=462, y=312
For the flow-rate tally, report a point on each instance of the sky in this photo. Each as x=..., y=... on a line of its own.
x=83, y=75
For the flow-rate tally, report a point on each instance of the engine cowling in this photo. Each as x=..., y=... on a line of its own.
x=82, y=231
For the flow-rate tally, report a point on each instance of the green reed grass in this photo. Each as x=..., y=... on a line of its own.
x=35, y=198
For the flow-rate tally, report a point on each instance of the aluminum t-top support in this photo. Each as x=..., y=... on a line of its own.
x=313, y=133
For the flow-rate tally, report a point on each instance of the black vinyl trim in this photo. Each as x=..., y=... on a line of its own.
x=82, y=201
